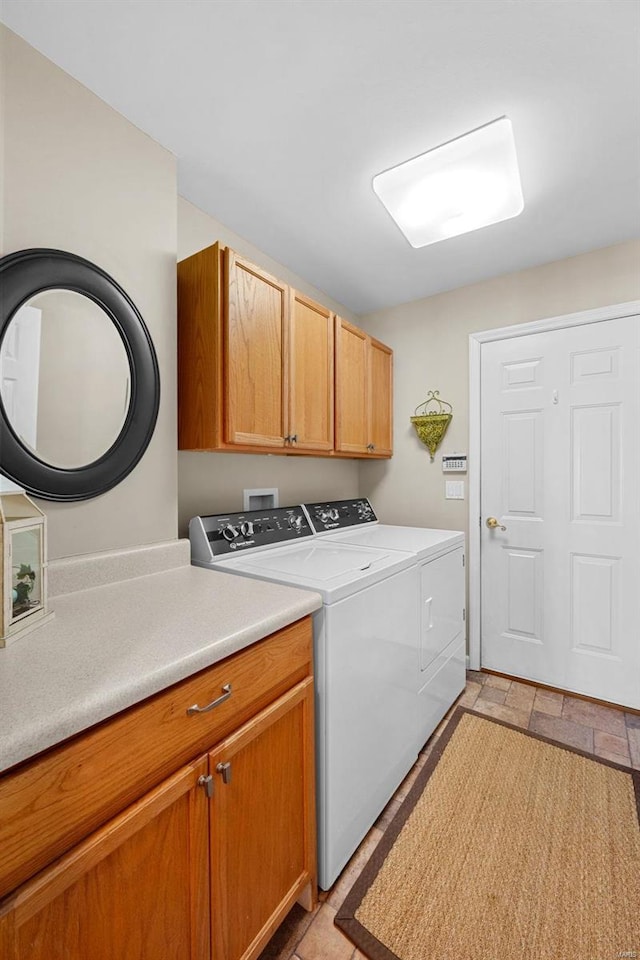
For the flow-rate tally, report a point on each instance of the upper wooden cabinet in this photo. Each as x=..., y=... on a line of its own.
x=380, y=402
x=364, y=392
x=255, y=333
x=310, y=351
x=255, y=360
x=256, y=367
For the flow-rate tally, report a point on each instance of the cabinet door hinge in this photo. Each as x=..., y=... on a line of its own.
x=464, y=614
x=463, y=561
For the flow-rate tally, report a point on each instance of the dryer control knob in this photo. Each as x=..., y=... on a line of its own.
x=230, y=532
x=246, y=528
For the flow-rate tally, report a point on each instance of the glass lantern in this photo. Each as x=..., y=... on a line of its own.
x=23, y=553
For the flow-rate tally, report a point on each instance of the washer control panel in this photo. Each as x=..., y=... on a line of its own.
x=227, y=533
x=338, y=514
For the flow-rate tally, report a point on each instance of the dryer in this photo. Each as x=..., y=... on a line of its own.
x=440, y=667
x=365, y=649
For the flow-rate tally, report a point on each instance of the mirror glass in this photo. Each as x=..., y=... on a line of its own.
x=64, y=378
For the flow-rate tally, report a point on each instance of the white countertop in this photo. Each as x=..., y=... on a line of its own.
x=112, y=645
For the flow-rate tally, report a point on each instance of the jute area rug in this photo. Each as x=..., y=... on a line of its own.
x=508, y=846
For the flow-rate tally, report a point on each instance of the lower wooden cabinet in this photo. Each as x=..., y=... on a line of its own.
x=137, y=889
x=262, y=836
x=205, y=866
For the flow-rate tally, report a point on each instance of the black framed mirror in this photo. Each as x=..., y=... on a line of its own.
x=79, y=377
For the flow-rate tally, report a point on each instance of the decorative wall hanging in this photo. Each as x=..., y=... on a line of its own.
x=431, y=425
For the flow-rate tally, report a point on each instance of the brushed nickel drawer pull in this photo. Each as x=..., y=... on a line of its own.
x=226, y=693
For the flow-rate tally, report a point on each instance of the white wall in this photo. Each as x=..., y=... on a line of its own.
x=213, y=482
x=430, y=342
x=79, y=177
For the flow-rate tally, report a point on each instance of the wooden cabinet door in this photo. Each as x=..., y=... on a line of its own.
x=381, y=398
x=310, y=357
x=137, y=889
x=255, y=332
x=262, y=824
x=352, y=388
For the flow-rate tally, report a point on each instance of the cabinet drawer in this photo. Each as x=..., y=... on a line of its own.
x=48, y=804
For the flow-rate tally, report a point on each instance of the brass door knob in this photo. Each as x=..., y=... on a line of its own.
x=493, y=522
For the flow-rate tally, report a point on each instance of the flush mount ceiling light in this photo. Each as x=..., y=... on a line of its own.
x=465, y=184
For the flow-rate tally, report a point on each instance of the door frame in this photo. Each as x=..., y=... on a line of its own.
x=476, y=340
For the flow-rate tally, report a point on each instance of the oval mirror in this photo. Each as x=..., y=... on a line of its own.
x=65, y=378
x=79, y=382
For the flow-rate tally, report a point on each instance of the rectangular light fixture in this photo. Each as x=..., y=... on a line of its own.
x=467, y=183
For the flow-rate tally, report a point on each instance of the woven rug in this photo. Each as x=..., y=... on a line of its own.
x=508, y=846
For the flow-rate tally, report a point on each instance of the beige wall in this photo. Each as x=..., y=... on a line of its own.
x=79, y=177
x=430, y=341
x=213, y=482
x=83, y=380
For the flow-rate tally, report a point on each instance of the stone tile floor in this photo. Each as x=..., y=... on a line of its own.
x=603, y=731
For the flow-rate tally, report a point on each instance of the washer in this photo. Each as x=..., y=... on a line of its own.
x=365, y=650
x=439, y=556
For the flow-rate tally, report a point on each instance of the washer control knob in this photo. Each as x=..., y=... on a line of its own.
x=246, y=528
x=296, y=522
x=230, y=532
x=333, y=513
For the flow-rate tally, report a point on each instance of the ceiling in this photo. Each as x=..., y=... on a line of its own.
x=280, y=113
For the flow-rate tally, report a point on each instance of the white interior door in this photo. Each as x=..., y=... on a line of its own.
x=560, y=586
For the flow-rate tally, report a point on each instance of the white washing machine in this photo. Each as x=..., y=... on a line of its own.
x=365, y=649
x=440, y=674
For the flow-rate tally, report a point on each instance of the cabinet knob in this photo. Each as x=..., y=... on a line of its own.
x=207, y=783
x=224, y=769
x=371, y=447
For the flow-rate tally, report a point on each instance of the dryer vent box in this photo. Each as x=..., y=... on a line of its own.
x=263, y=499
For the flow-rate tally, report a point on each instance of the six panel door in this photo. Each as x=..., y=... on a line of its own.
x=560, y=470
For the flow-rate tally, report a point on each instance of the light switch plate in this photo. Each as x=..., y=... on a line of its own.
x=454, y=489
